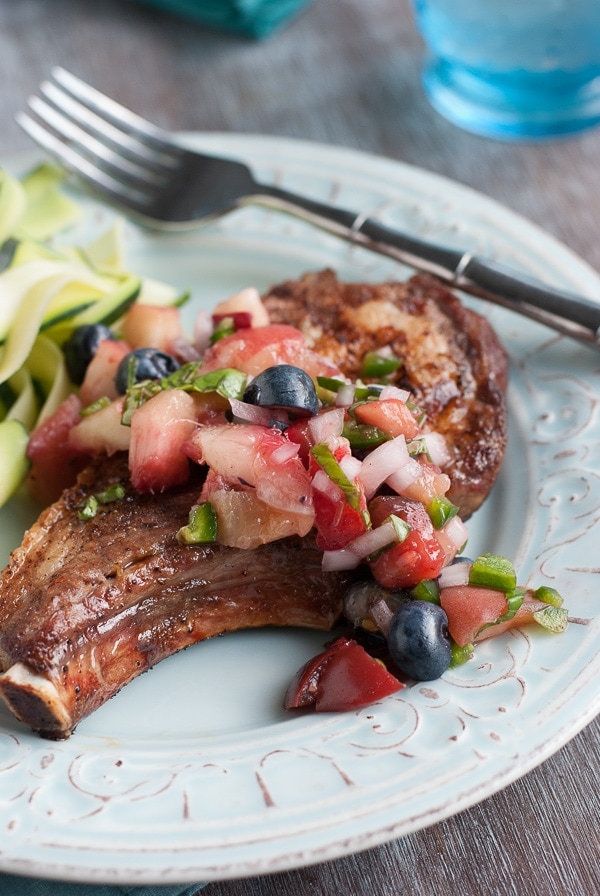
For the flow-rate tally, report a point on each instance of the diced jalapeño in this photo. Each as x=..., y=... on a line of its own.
x=201, y=527
x=493, y=571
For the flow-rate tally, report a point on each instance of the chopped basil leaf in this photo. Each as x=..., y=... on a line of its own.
x=227, y=382
x=552, y=618
x=89, y=508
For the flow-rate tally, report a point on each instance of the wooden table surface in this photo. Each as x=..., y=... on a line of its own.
x=348, y=74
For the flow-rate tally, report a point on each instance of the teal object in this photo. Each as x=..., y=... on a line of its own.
x=25, y=886
x=254, y=18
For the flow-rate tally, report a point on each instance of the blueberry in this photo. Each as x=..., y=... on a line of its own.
x=80, y=348
x=418, y=640
x=284, y=386
x=144, y=364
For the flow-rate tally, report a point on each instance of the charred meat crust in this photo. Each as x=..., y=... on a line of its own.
x=88, y=606
x=452, y=360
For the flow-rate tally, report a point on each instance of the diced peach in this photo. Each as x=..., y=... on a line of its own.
x=159, y=428
x=99, y=380
x=101, y=432
x=152, y=326
x=246, y=300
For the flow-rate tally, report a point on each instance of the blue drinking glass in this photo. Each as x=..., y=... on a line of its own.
x=513, y=69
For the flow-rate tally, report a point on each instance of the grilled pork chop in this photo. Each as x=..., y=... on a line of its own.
x=87, y=606
x=452, y=360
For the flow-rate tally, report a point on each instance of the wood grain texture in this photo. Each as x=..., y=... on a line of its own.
x=348, y=73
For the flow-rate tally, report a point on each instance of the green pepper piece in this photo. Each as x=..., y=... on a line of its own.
x=493, y=571
x=548, y=596
x=428, y=590
x=363, y=435
x=460, y=655
x=331, y=384
x=377, y=366
x=441, y=510
x=201, y=527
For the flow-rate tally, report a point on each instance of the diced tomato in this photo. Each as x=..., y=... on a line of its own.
x=391, y=415
x=471, y=607
x=258, y=457
x=152, y=326
x=341, y=678
x=55, y=463
x=420, y=556
x=254, y=349
x=159, y=428
x=298, y=432
x=99, y=380
x=101, y=432
x=336, y=522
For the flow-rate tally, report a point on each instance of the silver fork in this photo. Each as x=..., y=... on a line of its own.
x=142, y=169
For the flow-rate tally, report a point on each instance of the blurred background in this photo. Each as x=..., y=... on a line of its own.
x=340, y=71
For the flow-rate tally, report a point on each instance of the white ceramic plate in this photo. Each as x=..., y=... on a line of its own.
x=194, y=772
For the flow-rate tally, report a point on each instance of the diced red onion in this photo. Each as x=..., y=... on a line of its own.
x=286, y=451
x=251, y=413
x=394, y=392
x=340, y=559
x=382, y=462
x=455, y=574
x=184, y=351
x=405, y=476
x=322, y=483
x=203, y=330
x=381, y=614
x=351, y=466
x=345, y=396
x=436, y=448
x=373, y=540
x=326, y=426
x=456, y=530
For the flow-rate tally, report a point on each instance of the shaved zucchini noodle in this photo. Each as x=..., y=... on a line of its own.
x=46, y=292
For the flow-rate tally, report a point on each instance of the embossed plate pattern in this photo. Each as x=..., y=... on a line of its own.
x=194, y=772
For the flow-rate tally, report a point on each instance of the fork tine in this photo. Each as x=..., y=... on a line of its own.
x=86, y=143
x=108, y=132
x=122, y=193
x=113, y=111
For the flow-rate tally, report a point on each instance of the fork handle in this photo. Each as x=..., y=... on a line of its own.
x=562, y=311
